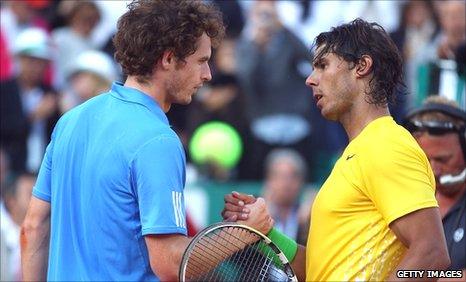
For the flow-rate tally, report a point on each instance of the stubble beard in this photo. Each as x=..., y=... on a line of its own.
x=176, y=92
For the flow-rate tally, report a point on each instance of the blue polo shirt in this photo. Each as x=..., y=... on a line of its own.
x=113, y=172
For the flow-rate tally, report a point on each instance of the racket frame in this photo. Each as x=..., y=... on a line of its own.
x=286, y=264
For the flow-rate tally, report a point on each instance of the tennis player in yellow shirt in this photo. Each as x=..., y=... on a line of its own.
x=376, y=214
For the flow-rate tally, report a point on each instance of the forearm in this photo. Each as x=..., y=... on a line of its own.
x=299, y=263
x=34, y=251
x=418, y=258
x=166, y=267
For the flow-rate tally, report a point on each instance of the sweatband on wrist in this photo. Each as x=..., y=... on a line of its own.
x=287, y=245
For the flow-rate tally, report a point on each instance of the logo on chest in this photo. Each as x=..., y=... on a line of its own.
x=350, y=156
x=458, y=235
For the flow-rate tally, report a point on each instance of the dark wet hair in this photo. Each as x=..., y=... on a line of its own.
x=353, y=40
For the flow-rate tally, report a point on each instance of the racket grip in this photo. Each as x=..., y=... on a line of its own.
x=287, y=245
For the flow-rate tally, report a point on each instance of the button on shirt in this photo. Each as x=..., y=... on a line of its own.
x=113, y=172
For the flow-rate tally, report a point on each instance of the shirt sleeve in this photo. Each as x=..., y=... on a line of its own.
x=158, y=178
x=42, y=188
x=399, y=180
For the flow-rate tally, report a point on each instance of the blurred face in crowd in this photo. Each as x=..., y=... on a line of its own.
x=225, y=59
x=333, y=86
x=283, y=183
x=17, y=204
x=264, y=15
x=87, y=85
x=22, y=10
x=418, y=13
x=32, y=69
x=453, y=19
x=185, y=79
x=86, y=18
x=445, y=157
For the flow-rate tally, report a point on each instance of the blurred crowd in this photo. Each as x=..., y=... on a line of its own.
x=54, y=55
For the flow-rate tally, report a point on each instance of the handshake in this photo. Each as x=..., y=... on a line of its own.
x=247, y=210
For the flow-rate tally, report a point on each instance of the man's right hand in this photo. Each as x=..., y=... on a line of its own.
x=259, y=217
x=235, y=206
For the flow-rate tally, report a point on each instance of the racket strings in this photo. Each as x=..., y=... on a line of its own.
x=217, y=245
x=232, y=254
x=214, y=246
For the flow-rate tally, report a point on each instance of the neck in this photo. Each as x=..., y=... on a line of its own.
x=150, y=88
x=360, y=115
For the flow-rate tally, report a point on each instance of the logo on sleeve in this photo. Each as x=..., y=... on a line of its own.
x=178, y=209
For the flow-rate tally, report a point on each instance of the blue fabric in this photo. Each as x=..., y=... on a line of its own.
x=113, y=172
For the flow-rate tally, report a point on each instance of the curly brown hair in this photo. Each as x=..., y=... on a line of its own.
x=151, y=27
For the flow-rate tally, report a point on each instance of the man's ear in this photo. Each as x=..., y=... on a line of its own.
x=168, y=59
x=364, y=66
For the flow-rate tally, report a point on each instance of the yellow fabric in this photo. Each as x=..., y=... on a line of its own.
x=382, y=175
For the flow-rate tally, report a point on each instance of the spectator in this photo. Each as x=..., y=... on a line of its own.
x=417, y=27
x=74, y=38
x=270, y=63
x=29, y=109
x=16, y=16
x=91, y=73
x=439, y=127
x=284, y=178
x=16, y=194
x=225, y=58
x=437, y=71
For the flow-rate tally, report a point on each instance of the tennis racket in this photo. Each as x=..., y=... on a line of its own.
x=233, y=252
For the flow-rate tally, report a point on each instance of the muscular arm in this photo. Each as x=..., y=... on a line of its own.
x=422, y=234
x=299, y=263
x=35, y=234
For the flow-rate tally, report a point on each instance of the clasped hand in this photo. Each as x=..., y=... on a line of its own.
x=247, y=210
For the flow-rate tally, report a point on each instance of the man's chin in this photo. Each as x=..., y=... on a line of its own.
x=328, y=115
x=186, y=101
x=189, y=99
x=449, y=191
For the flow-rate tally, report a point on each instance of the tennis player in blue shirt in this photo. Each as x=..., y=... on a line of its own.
x=108, y=203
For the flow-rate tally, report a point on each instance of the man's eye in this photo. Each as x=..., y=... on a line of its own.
x=321, y=66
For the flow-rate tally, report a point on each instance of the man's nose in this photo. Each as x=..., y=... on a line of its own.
x=206, y=74
x=311, y=80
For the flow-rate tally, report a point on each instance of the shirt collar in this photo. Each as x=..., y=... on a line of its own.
x=134, y=95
